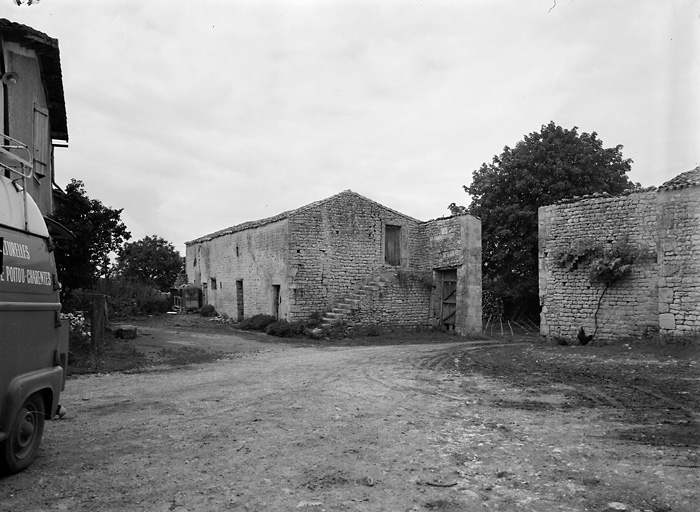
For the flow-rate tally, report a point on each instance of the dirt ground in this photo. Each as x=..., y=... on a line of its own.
x=498, y=424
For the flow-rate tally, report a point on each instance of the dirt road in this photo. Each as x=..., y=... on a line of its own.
x=393, y=428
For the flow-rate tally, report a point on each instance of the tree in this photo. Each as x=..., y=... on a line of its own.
x=98, y=232
x=546, y=166
x=152, y=260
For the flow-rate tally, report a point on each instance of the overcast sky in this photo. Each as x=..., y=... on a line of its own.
x=197, y=115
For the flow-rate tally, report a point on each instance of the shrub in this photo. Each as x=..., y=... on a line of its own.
x=257, y=322
x=361, y=331
x=284, y=329
x=207, y=310
x=131, y=298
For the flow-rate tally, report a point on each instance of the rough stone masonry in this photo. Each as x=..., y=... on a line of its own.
x=347, y=256
x=662, y=293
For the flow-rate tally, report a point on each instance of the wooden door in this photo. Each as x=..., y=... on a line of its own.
x=276, y=297
x=392, y=245
x=239, y=299
x=448, y=298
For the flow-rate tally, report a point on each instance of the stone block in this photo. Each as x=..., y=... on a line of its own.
x=667, y=321
x=125, y=332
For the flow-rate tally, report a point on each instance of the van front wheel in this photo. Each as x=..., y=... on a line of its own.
x=18, y=451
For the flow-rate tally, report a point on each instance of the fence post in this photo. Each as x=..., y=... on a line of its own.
x=97, y=327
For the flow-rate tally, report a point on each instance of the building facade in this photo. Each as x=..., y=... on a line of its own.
x=32, y=109
x=346, y=257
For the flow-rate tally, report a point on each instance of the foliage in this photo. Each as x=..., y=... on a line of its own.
x=128, y=298
x=257, y=322
x=78, y=329
x=151, y=260
x=546, y=166
x=98, y=232
x=577, y=253
x=285, y=329
x=607, y=263
x=491, y=305
x=207, y=310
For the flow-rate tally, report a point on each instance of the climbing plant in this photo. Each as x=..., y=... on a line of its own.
x=607, y=263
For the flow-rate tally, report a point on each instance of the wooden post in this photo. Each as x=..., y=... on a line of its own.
x=97, y=327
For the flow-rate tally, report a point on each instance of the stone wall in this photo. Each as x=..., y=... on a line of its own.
x=455, y=242
x=679, y=259
x=662, y=293
x=335, y=245
x=325, y=252
x=256, y=257
x=393, y=296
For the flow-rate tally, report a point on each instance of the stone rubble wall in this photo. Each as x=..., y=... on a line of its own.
x=679, y=260
x=393, y=297
x=336, y=245
x=322, y=253
x=662, y=293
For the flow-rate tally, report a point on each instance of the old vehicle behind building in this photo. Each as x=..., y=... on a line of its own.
x=33, y=340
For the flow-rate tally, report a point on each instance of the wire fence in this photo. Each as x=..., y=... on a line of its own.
x=504, y=327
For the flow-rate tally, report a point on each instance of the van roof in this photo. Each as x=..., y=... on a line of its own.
x=12, y=209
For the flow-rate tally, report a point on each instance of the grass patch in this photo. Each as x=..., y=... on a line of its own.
x=123, y=356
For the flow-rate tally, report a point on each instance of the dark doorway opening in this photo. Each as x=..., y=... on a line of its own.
x=239, y=299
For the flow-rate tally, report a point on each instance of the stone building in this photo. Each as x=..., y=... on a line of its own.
x=662, y=291
x=346, y=257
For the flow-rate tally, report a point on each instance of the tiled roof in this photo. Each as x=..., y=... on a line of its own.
x=284, y=215
x=685, y=179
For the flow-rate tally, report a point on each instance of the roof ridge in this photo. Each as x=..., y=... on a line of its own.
x=286, y=214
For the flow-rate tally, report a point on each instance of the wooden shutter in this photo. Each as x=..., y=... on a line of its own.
x=392, y=252
x=42, y=144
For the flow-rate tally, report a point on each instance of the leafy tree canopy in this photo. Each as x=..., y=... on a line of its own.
x=545, y=167
x=98, y=232
x=152, y=261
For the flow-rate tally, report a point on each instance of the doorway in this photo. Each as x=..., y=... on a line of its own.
x=239, y=299
x=448, y=298
x=276, y=301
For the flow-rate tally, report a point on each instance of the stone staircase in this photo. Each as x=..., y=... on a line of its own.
x=349, y=304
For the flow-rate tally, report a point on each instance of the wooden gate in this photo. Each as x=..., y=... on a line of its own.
x=448, y=298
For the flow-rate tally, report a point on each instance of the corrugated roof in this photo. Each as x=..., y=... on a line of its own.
x=684, y=179
x=285, y=215
x=46, y=49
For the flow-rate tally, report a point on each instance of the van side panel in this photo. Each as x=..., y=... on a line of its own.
x=31, y=337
